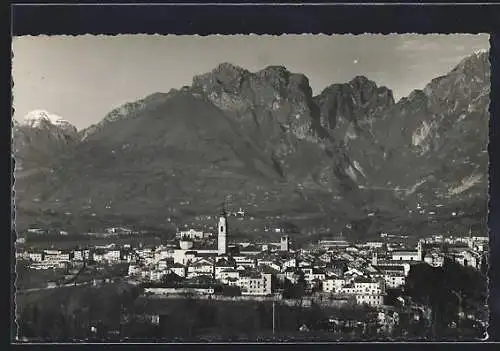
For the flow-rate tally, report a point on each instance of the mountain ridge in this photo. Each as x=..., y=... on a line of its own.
x=278, y=146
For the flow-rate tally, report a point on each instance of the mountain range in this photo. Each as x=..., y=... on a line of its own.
x=350, y=160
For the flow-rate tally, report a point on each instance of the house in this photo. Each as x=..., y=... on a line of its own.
x=292, y=274
x=36, y=256
x=163, y=264
x=241, y=268
x=273, y=264
x=409, y=255
x=189, y=256
x=232, y=281
x=374, y=244
x=347, y=289
x=200, y=267
x=162, y=254
x=222, y=265
x=333, y=285
x=305, y=263
x=369, y=286
x=254, y=283
x=77, y=255
x=347, y=257
x=326, y=257
x=314, y=275
x=469, y=258
x=374, y=300
x=244, y=261
x=290, y=263
x=393, y=266
x=353, y=273
x=178, y=269
x=405, y=256
x=352, y=249
x=156, y=275
x=99, y=255
x=190, y=234
x=134, y=270
x=308, y=271
x=57, y=256
x=112, y=256
x=369, y=291
x=394, y=280
x=228, y=276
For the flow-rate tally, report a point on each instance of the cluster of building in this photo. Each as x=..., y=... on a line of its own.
x=361, y=272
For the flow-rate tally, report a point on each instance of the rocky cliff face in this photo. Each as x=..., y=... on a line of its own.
x=264, y=141
x=274, y=107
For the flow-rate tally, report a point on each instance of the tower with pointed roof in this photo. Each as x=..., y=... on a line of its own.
x=222, y=232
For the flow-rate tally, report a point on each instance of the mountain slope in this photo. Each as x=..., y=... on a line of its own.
x=262, y=141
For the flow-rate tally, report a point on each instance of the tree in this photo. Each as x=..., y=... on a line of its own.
x=446, y=290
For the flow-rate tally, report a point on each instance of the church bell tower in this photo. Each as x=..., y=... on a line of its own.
x=222, y=233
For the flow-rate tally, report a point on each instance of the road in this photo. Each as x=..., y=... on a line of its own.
x=52, y=287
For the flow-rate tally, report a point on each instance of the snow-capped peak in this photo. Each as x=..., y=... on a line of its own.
x=39, y=118
x=480, y=52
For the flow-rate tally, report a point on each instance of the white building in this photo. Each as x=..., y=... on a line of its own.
x=228, y=275
x=374, y=244
x=200, y=267
x=291, y=263
x=190, y=234
x=469, y=258
x=370, y=292
x=369, y=286
x=57, y=257
x=134, y=270
x=245, y=261
x=178, y=269
x=370, y=299
x=222, y=265
x=78, y=255
x=259, y=284
x=394, y=280
x=333, y=285
x=156, y=275
x=434, y=259
x=36, y=256
x=409, y=255
x=112, y=256
x=162, y=264
x=284, y=244
x=222, y=234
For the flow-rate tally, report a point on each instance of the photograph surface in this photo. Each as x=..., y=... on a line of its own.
x=251, y=188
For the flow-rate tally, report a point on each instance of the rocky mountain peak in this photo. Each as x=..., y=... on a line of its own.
x=272, y=97
x=359, y=99
x=41, y=119
x=127, y=110
x=262, y=137
x=466, y=82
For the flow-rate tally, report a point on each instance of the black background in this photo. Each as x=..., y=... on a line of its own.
x=30, y=19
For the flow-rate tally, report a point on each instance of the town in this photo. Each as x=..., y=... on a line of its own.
x=330, y=273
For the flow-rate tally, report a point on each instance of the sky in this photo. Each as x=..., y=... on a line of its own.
x=82, y=78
